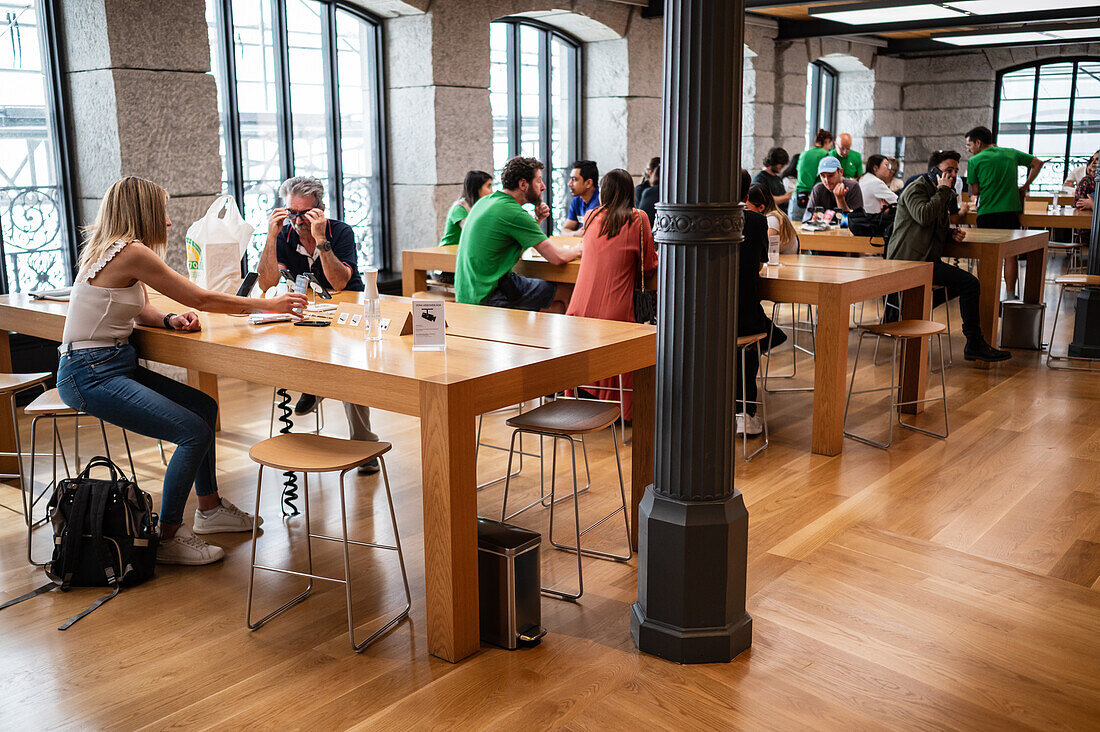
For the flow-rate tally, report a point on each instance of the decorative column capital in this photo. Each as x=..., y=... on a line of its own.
x=698, y=223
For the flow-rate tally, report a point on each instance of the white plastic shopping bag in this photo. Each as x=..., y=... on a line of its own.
x=215, y=245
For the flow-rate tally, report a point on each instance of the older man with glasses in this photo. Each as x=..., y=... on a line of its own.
x=300, y=238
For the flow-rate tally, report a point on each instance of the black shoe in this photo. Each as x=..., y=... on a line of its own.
x=369, y=468
x=306, y=404
x=982, y=351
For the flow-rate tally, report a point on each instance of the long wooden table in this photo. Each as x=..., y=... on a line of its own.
x=832, y=283
x=991, y=247
x=1066, y=218
x=494, y=358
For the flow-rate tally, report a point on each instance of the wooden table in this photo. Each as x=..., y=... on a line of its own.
x=834, y=284
x=415, y=264
x=1066, y=218
x=494, y=358
x=839, y=241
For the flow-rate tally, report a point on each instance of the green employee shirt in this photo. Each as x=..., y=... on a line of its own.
x=994, y=170
x=451, y=230
x=807, y=168
x=493, y=238
x=851, y=164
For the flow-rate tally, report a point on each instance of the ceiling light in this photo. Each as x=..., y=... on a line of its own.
x=1000, y=7
x=896, y=14
x=993, y=39
x=1076, y=33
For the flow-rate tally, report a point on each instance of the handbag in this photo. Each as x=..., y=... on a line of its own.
x=105, y=534
x=645, y=300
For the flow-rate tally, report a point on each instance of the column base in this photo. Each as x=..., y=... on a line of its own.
x=694, y=645
x=1086, y=325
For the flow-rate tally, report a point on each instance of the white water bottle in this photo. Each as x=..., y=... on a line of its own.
x=372, y=306
x=773, y=250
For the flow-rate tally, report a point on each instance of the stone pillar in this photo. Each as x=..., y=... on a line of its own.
x=143, y=103
x=693, y=527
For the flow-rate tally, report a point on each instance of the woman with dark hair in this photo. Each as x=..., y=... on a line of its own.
x=618, y=244
x=876, y=193
x=807, y=173
x=771, y=177
x=1084, y=196
x=478, y=183
x=761, y=201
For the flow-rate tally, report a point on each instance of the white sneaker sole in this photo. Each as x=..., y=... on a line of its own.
x=219, y=529
x=190, y=562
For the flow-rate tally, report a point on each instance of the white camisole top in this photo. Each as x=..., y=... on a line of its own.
x=100, y=316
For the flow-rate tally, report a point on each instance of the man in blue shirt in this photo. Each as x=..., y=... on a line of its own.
x=584, y=185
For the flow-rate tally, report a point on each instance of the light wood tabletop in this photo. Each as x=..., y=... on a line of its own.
x=494, y=358
x=1038, y=218
x=840, y=241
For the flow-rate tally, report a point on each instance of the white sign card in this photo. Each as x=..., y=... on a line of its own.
x=428, y=325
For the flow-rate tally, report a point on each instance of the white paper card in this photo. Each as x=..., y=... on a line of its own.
x=343, y=319
x=384, y=323
x=355, y=319
x=429, y=325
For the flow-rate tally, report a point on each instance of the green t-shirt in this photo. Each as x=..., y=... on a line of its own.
x=451, y=230
x=994, y=170
x=807, y=168
x=851, y=164
x=494, y=236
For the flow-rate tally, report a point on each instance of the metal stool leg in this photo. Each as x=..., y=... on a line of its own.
x=943, y=398
x=759, y=402
x=252, y=567
x=577, y=527
x=893, y=395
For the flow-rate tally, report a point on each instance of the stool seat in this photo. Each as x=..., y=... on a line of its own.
x=568, y=417
x=748, y=340
x=907, y=329
x=1064, y=245
x=309, y=453
x=18, y=382
x=1086, y=280
x=49, y=403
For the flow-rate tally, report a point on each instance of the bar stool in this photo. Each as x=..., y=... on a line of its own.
x=898, y=332
x=1070, y=283
x=48, y=405
x=743, y=344
x=893, y=305
x=569, y=420
x=11, y=385
x=796, y=328
x=1072, y=250
x=307, y=453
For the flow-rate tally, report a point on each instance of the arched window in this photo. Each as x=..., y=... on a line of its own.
x=534, y=92
x=37, y=236
x=298, y=94
x=1052, y=111
x=821, y=85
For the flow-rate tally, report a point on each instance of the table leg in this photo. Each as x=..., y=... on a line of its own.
x=1034, y=278
x=412, y=279
x=830, y=370
x=990, y=267
x=641, y=443
x=916, y=304
x=208, y=384
x=8, y=464
x=449, y=475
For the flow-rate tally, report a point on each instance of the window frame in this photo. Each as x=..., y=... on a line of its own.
x=573, y=125
x=234, y=165
x=1037, y=65
x=820, y=72
x=57, y=112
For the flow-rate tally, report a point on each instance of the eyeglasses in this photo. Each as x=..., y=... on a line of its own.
x=292, y=214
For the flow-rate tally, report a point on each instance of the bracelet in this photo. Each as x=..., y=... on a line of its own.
x=168, y=317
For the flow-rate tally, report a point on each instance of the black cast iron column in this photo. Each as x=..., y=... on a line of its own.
x=693, y=527
x=1086, y=324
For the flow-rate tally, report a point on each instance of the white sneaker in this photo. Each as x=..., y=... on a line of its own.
x=224, y=518
x=186, y=548
x=750, y=422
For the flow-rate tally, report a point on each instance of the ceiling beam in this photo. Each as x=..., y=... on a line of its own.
x=790, y=30
x=926, y=46
x=761, y=4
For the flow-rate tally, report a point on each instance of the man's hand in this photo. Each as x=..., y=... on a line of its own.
x=947, y=179
x=1085, y=204
x=188, y=321
x=958, y=234
x=840, y=191
x=275, y=221
x=317, y=223
x=542, y=212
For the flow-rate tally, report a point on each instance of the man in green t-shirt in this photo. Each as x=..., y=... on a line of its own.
x=851, y=162
x=992, y=175
x=807, y=173
x=494, y=236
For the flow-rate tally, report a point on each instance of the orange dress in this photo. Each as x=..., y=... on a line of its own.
x=606, y=281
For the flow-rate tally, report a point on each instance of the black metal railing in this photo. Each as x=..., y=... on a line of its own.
x=35, y=252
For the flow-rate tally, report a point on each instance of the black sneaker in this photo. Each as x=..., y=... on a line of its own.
x=306, y=404
x=982, y=351
x=369, y=468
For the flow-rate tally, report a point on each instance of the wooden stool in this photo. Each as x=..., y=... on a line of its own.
x=895, y=305
x=11, y=385
x=1072, y=283
x=570, y=419
x=307, y=453
x=900, y=331
x=743, y=344
x=48, y=405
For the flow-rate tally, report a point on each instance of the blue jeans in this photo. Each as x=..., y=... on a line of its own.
x=108, y=383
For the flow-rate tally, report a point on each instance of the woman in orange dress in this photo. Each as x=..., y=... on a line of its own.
x=617, y=237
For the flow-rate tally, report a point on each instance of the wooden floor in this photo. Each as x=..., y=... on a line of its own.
x=940, y=584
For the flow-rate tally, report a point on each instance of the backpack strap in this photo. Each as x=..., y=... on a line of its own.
x=33, y=593
x=94, y=606
x=100, y=493
x=60, y=570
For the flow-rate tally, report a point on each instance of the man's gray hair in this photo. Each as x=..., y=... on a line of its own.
x=303, y=185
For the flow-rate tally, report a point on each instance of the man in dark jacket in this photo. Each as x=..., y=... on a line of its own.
x=922, y=228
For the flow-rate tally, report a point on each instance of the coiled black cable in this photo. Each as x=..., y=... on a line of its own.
x=290, y=486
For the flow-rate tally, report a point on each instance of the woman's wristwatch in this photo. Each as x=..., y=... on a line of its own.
x=167, y=321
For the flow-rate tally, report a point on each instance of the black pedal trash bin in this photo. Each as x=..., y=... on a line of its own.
x=509, y=584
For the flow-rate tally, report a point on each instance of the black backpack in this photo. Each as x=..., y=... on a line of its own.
x=880, y=224
x=105, y=534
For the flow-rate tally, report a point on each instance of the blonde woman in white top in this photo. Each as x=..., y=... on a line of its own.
x=760, y=200
x=99, y=375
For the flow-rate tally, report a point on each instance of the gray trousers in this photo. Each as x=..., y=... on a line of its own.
x=359, y=422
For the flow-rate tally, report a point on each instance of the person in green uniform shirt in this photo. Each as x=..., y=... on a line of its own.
x=807, y=173
x=478, y=184
x=851, y=162
x=494, y=237
x=992, y=175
